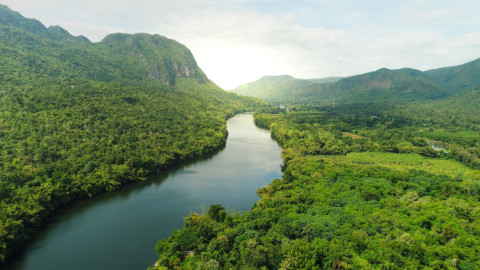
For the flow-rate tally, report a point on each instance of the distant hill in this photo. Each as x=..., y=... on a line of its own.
x=383, y=85
x=280, y=88
x=457, y=79
x=458, y=109
x=273, y=88
x=399, y=86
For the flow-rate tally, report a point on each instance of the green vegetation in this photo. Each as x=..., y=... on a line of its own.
x=387, y=179
x=281, y=89
x=273, y=88
x=383, y=199
x=384, y=86
x=80, y=118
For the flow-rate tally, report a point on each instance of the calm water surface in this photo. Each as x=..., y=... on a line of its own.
x=119, y=230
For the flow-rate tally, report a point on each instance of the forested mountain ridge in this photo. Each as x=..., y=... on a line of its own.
x=384, y=85
x=163, y=59
x=118, y=57
x=274, y=88
x=456, y=78
x=79, y=118
x=399, y=86
x=15, y=19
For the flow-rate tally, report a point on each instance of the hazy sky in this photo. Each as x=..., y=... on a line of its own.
x=237, y=41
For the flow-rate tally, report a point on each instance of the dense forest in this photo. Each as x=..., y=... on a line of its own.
x=80, y=118
x=381, y=170
x=364, y=187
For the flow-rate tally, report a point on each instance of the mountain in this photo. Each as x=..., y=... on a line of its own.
x=457, y=79
x=15, y=19
x=81, y=118
x=273, y=88
x=384, y=85
x=399, y=86
x=460, y=110
x=118, y=57
x=157, y=57
x=280, y=88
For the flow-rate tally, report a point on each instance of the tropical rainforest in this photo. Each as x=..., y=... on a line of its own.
x=378, y=179
x=381, y=170
x=80, y=118
x=364, y=187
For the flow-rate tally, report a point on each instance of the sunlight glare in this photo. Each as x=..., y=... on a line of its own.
x=230, y=65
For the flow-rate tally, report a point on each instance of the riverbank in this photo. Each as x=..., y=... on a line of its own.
x=124, y=225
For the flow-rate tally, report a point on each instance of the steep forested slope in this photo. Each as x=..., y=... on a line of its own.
x=79, y=118
x=30, y=48
x=457, y=78
x=381, y=86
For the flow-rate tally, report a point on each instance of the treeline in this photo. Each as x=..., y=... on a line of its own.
x=63, y=140
x=341, y=214
x=371, y=127
x=363, y=188
x=80, y=118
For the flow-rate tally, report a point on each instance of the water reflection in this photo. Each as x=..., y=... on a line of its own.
x=119, y=230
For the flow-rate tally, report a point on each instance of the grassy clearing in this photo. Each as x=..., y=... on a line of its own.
x=396, y=161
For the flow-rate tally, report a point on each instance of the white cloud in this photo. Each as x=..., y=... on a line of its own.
x=425, y=50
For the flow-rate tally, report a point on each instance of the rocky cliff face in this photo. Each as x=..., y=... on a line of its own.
x=163, y=59
x=53, y=51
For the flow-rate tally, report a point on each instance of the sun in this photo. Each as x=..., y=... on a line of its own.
x=230, y=65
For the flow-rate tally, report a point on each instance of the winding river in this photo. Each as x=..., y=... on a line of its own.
x=119, y=230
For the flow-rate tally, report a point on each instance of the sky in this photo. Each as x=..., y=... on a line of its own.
x=239, y=41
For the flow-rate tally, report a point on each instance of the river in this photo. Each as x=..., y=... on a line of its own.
x=119, y=230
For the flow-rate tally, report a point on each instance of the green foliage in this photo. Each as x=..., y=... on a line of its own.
x=458, y=78
x=273, y=88
x=80, y=118
x=393, y=87
x=382, y=199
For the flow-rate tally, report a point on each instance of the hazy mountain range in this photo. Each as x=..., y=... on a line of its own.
x=384, y=85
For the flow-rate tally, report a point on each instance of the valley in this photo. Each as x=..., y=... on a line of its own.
x=382, y=199
x=105, y=147
x=123, y=226
x=80, y=118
